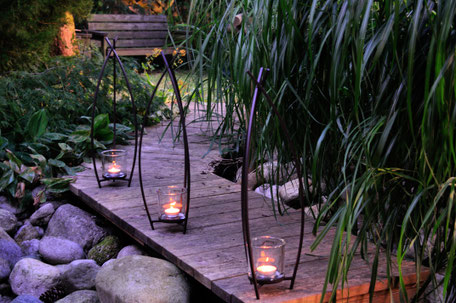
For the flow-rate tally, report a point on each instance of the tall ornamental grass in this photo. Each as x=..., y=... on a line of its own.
x=367, y=88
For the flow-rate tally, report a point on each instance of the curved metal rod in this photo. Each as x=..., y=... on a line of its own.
x=140, y=148
x=258, y=86
x=135, y=121
x=100, y=76
x=184, y=133
x=112, y=50
x=244, y=188
x=170, y=71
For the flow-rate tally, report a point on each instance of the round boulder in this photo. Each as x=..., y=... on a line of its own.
x=80, y=274
x=72, y=223
x=26, y=232
x=10, y=252
x=141, y=279
x=60, y=251
x=42, y=215
x=26, y=299
x=8, y=220
x=105, y=250
x=130, y=250
x=30, y=248
x=33, y=277
x=80, y=296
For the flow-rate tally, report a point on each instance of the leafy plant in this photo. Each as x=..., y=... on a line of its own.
x=45, y=130
x=367, y=88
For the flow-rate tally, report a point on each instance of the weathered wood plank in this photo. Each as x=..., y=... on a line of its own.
x=157, y=34
x=116, y=26
x=140, y=51
x=156, y=42
x=126, y=18
x=212, y=251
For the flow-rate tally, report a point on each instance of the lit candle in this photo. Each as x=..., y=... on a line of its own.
x=267, y=270
x=114, y=168
x=265, y=267
x=172, y=210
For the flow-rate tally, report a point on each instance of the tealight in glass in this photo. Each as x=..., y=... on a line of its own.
x=172, y=203
x=114, y=163
x=268, y=258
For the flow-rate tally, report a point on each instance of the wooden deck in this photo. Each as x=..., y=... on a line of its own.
x=212, y=250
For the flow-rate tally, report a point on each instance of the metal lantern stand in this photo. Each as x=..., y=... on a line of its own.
x=244, y=187
x=118, y=175
x=183, y=217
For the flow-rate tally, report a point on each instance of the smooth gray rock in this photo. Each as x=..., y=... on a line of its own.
x=80, y=296
x=80, y=274
x=26, y=232
x=33, y=277
x=42, y=216
x=5, y=269
x=130, y=250
x=8, y=220
x=72, y=223
x=26, y=299
x=60, y=251
x=141, y=279
x=267, y=173
x=30, y=248
x=289, y=191
x=10, y=251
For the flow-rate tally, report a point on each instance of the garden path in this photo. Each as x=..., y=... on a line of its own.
x=212, y=250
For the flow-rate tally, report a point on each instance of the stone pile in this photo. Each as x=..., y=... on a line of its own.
x=60, y=247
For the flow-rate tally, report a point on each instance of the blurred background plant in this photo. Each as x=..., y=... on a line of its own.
x=29, y=30
x=368, y=92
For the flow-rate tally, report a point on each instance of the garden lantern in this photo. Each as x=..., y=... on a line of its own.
x=115, y=162
x=265, y=254
x=172, y=204
x=173, y=200
x=268, y=259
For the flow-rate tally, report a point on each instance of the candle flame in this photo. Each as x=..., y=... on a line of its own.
x=114, y=168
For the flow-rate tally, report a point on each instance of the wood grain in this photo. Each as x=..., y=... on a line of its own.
x=212, y=251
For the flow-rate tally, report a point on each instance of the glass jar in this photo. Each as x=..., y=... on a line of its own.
x=114, y=163
x=172, y=203
x=268, y=259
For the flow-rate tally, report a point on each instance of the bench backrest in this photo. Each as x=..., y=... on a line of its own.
x=134, y=31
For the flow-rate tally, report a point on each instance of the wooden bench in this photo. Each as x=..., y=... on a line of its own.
x=138, y=35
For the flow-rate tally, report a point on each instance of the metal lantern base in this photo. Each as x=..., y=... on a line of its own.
x=180, y=218
x=119, y=176
x=262, y=280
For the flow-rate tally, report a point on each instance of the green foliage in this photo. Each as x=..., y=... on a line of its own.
x=45, y=123
x=367, y=88
x=29, y=29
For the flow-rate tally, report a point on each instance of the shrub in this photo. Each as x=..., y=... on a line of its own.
x=45, y=121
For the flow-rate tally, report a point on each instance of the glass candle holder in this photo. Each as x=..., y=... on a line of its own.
x=268, y=259
x=172, y=203
x=114, y=163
